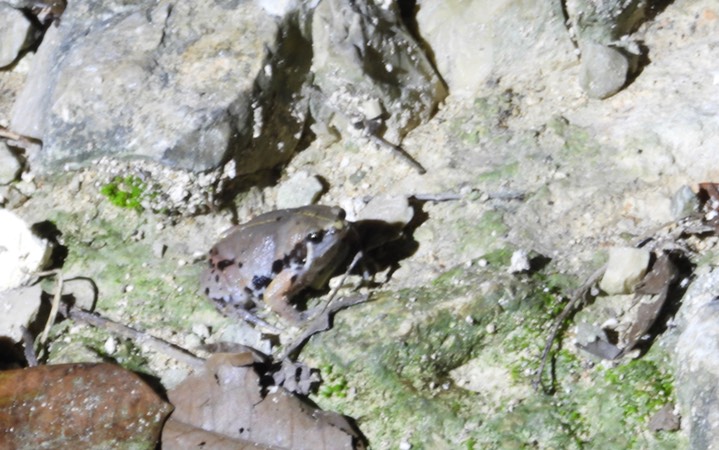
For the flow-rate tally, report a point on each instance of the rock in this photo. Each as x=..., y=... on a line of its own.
x=697, y=359
x=9, y=164
x=684, y=203
x=698, y=375
x=604, y=70
x=300, y=190
x=392, y=209
x=625, y=268
x=18, y=308
x=665, y=419
x=363, y=55
x=519, y=262
x=15, y=34
x=186, y=85
x=605, y=21
x=194, y=87
x=22, y=253
x=476, y=43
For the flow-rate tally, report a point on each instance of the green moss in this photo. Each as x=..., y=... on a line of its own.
x=482, y=235
x=163, y=293
x=503, y=172
x=126, y=192
x=333, y=383
x=398, y=355
x=578, y=141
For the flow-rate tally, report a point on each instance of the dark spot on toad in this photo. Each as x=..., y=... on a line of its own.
x=278, y=218
x=277, y=266
x=225, y=263
x=217, y=278
x=293, y=279
x=261, y=282
x=248, y=290
x=207, y=291
x=239, y=264
x=299, y=253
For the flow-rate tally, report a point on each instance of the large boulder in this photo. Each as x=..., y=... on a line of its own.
x=180, y=83
x=195, y=85
x=368, y=66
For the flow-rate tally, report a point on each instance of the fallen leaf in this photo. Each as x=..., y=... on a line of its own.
x=227, y=403
x=78, y=406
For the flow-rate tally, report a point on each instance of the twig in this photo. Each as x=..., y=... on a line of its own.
x=441, y=197
x=55, y=306
x=22, y=141
x=382, y=142
x=351, y=266
x=579, y=295
x=320, y=323
x=139, y=337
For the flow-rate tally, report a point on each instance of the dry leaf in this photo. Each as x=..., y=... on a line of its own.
x=226, y=403
x=78, y=406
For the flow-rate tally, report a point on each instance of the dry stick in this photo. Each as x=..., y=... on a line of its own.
x=320, y=323
x=55, y=304
x=399, y=150
x=137, y=336
x=352, y=265
x=578, y=295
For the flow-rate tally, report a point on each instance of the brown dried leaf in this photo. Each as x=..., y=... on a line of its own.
x=78, y=406
x=226, y=401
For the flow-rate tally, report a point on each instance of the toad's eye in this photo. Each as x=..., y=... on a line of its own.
x=316, y=236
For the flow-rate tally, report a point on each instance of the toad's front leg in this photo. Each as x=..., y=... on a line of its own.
x=277, y=297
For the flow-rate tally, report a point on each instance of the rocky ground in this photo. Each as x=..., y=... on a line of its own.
x=518, y=158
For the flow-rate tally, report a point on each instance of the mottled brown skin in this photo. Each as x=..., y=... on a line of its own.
x=275, y=256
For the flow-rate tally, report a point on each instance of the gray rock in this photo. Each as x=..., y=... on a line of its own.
x=697, y=361
x=20, y=306
x=600, y=26
x=15, y=34
x=605, y=21
x=363, y=55
x=194, y=87
x=300, y=190
x=190, y=86
x=684, y=203
x=625, y=268
x=22, y=253
x=476, y=43
x=604, y=70
x=9, y=164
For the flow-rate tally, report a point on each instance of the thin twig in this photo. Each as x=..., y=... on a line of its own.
x=441, y=197
x=382, y=142
x=579, y=295
x=137, y=336
x=54, y=308
x=351, y=266
x=320, y=323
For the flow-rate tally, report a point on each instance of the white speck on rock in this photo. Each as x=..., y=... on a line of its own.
x=519, y=262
